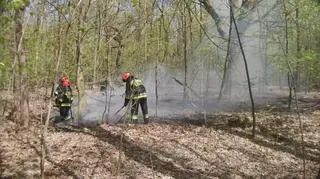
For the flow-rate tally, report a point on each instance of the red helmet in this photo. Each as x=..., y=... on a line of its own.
x=64, y=80
x=125, y=76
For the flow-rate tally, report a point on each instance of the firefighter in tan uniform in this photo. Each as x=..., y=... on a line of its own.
x=135, y=95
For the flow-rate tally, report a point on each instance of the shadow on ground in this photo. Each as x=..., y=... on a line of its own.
x=266, y=138
x=152, y=160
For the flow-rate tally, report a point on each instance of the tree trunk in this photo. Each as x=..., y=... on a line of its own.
x=227, y=61
x=156, y=69
x=118, y=39
x=20, y=54
x=297, y=69
x=290, y=82
x=145, y=33
x=118, y=59
x=234, y=50
x=200, y=25
x=184, y=33
x=80, y=80
x=98, y=41
x=247, y=74
x=265, y=72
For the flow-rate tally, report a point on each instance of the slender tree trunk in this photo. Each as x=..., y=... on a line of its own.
x=184, y=33
x=98, y=41
x=81, y=19
x=109, y=89
x=247, y=74
x=290, y=91
x=207, y=89
x=156, y=67
x=20, y=52
x=297, y=69
x=38, y=42
x=14, y=70
x=227, y=61
x=261, y=83
x=190, y=27
x=80, y=80
x=286, y=54
x=145, y=33
x=200, y=25
x=118, y=58
x=265, y=72
x=118, y=38
x=166, y=35
x=43, y=153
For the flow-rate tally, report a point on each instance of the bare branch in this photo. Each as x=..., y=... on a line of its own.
x=266, y=14
x=201, y=26
x=215, y=17
x=59, y=11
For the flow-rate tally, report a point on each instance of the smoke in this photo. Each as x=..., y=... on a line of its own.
x=103, y=105
x=204, y=75
x=253, y=31
x=202, y=97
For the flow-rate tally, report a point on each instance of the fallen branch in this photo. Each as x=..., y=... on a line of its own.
x=180, y=83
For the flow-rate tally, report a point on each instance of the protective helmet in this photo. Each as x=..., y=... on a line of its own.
x=125, y=76
x=64, y=80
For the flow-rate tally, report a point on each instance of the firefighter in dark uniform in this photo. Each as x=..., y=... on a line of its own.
x=64, y=97
x=135, y=95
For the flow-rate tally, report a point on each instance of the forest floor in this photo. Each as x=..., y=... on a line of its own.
x=174, y=147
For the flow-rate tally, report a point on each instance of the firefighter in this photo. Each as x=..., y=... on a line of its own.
x=64, y=97
x=135, y=95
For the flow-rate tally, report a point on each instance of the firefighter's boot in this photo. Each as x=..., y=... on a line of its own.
x=134, y=119
x=146, y=119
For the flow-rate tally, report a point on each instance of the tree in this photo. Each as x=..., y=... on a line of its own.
x=247, y=72
x=19, y=7
x=244, y=18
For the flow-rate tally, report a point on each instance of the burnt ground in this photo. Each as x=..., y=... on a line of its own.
x=177, y=146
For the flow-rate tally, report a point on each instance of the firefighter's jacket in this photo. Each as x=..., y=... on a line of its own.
x=134, y=90
x=63, y=95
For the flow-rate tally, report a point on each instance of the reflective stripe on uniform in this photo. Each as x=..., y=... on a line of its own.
x=141, y=95
x=65, y=104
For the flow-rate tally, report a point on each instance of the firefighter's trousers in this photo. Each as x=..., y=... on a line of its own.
x=135, y=107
